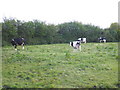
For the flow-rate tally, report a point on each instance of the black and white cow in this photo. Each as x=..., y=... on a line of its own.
x=76, y=44
x=83, y=40
x=102, y=39
x=18, y=41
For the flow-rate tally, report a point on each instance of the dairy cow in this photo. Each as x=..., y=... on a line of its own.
x=17, y=41
x=76, y=44
x=102, y=39
x=83, y=40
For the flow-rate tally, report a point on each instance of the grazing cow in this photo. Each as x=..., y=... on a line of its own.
x=76, y=44
x=83, y=40
x=18, y=41
x=102, y=39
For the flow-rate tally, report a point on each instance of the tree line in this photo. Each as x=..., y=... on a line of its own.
x=38, y=32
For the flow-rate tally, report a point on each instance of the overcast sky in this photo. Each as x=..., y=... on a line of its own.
x=96, y=12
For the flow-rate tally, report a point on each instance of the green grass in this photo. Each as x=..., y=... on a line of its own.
x=59, y=66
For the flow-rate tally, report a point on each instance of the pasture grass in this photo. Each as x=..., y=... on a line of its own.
x=59, y=66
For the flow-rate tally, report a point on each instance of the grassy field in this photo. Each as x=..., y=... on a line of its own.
x=59, y=66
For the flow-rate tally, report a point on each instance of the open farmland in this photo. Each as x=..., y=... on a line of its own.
x=58, y=66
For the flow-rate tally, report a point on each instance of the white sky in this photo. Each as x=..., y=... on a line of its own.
x=96, y=12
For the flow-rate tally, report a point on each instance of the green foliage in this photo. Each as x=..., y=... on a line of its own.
x=114, y=26
x=58, y=66
x=38, y=32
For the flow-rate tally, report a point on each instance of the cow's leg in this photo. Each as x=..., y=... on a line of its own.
x=15, y=47
x=80, y=47
x=74, y=50
x=104, y=41
x=23, y=46
x=70, y=44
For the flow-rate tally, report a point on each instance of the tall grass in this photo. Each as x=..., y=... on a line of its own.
x=59, y=66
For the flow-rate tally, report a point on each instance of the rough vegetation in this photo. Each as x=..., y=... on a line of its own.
x=38, y=32
x=59, y=66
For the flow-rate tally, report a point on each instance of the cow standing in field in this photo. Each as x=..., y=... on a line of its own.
x=76, y=44
x=83, y=40
x=18, y=41
x=102, y=39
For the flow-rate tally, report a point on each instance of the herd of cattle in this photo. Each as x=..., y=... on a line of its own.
x=75, y=44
